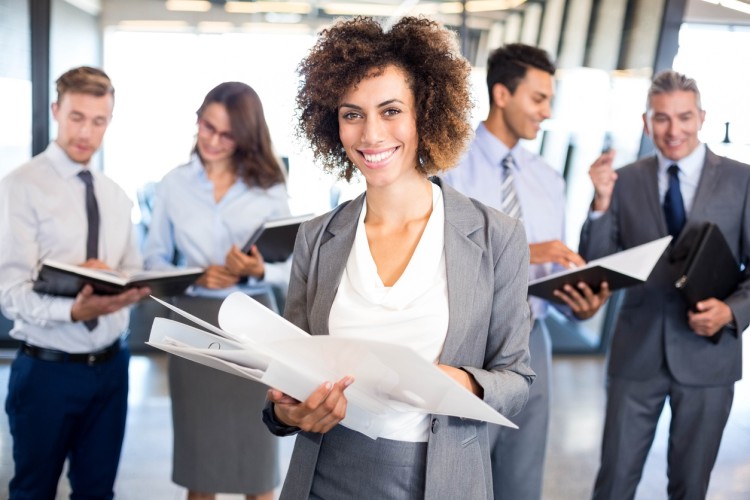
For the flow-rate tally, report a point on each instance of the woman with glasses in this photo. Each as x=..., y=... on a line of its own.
x=204, y=212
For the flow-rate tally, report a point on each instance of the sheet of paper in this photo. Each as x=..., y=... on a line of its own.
x=393, y=376
x=169, y=332
x=205, y=324
x=638, y=261
x=245, y=317
x=206, y=357
x=388, y=378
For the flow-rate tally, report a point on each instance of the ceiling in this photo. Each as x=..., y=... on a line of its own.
x=226, y=15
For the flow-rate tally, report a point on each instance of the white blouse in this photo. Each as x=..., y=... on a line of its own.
x=413, y=312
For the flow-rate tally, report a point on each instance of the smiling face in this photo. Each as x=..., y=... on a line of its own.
x=523, y=111
x=81, y=120
x=378, y=127
x=673, y=122
x=215, y=141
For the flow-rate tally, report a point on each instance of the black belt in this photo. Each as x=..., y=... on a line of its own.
x=90, y=358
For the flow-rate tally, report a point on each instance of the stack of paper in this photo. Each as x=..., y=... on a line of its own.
x=255, y=343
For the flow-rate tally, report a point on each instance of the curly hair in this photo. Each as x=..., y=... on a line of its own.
x=437, y=74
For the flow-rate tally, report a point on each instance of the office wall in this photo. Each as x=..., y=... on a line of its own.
x=15, y=84
x=75, y=40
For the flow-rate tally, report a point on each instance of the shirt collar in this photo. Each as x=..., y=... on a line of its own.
x=196, y=167
x=61, y=162
x=495, y=149
x=690, y=166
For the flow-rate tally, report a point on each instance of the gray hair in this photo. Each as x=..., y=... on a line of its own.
x=668, y=81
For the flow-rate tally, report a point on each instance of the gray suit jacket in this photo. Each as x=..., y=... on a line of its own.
x=652, y=324
x=487, y=264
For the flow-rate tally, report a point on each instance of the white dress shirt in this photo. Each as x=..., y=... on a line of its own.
x=43, y=216
x=413, y=312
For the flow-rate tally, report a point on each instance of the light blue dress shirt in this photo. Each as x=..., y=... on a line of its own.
x=187, y=219
x=539, y=187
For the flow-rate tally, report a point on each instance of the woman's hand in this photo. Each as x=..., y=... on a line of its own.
x=464, y=378
x=217, y=277
x=243, y=264
x=320, y=412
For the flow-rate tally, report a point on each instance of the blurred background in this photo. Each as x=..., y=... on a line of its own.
x=164, y=55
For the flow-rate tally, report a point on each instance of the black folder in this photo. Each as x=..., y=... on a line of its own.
x=275, y=239
x=706, y=266
x=66, y=280
x=593, y=276
x=622, y=269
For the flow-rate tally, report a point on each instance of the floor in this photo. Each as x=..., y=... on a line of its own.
x=578, y=383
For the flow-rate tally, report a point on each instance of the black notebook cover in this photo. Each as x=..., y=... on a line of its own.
x=275, y=238
x=592, y=276
x=705, y=264
x=67, y=280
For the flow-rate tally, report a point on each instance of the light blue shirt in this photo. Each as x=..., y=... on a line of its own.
x=539, y=187
x=187, y=219
x=690, y=174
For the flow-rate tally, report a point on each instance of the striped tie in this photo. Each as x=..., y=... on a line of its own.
x=510, y=205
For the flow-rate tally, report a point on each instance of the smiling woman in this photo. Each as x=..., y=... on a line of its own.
x=437, y=76
x=411, y=262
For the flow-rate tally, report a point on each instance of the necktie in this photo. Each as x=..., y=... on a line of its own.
x=92, y=216
x=674, y=208
x=510, y=205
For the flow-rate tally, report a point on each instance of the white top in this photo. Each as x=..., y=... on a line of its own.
x=413, y=312
x=43, y=216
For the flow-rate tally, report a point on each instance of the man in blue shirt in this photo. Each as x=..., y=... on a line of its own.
x=500, y=173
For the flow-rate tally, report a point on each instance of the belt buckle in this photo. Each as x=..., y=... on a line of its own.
x=91, y=359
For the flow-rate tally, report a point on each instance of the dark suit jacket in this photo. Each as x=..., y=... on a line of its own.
x=652, y=324
x=487, y=260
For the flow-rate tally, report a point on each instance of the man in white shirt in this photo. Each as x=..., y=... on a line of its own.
x=67, y=395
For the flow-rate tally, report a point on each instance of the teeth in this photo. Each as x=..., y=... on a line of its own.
x=379, y=156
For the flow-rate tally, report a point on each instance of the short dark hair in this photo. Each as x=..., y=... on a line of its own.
x=351, y=50
x=254, y=159
x=508, y=65
x=84, y=80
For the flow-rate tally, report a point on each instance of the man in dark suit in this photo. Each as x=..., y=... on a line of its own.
x=662, y=350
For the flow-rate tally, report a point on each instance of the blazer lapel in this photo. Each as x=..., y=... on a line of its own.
x=706, y=185
x=651, y=184
x=462, y=257
x=333, y=253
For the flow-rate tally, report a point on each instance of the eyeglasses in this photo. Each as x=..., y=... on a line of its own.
x=208, y=131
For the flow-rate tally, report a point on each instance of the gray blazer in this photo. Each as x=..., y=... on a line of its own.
x=488, y=331
x=652, y=324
